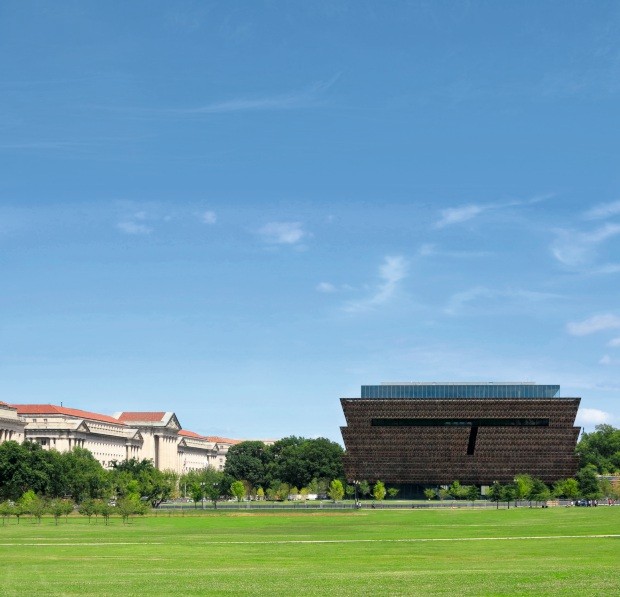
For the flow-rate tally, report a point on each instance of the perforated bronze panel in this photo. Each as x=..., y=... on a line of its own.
x=437, y=455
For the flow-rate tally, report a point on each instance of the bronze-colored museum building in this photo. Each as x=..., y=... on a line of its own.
x=429, y=434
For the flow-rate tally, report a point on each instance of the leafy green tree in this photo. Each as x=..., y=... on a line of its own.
x=364, y=489
x=336, y=490
x=600, y=449
x=238, y=490
x=297, y=461
x=85, y=477
x=87, y=508
x=430, y=494
x=29, y=502
x=104, y=508
x=472, y=493
x=456, y=490
x=509, y=492
x=6, y=509
x=540, y=492
x=393, y=492
x=496, y=493
x=129, y=506
x=523, y=486
x=443, y=493
x=248, y=460
x=196, y=492
x=215, y=485
x=37, y=508
x=378, y=491
x=260, y=494
x=588, y=483
x=56, y=508
x=568, y=488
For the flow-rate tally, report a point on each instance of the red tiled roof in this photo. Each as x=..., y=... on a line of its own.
x=5, y=404
x=187, y=433
x=223, y=440
x=151, y=417
x=50, y=409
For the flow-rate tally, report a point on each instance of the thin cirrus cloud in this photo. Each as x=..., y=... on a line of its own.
x=134, y=228
x=591, y=325
x=604, y=210
x=309, y=97
x=482, y=294
x=614, y=343
x=325, y=287
x=457, y=215
x=574, y=249
x=208, y=217
x=282, y=233
x=392, y=272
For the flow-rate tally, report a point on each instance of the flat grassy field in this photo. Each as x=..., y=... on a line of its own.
x=554, y=551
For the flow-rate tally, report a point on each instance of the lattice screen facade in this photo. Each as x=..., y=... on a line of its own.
x=477, y=441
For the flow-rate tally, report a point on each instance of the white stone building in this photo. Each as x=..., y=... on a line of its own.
x=155, y=436
x=11, y=426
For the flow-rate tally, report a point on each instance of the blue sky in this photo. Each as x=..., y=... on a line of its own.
x=242, y=211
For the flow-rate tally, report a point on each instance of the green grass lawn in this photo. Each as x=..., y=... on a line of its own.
x=525, y=551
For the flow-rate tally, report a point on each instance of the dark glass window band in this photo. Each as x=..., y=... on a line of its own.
x=459, y=422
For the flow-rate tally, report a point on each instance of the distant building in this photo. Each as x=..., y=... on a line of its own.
x=155, y=436
x=430, y=434
x=11, y=426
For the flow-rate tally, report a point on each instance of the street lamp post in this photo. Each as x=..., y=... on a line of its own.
x=202, y=487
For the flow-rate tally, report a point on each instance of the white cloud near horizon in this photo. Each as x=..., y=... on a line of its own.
x=596, y=323
x=391, y=272
x=282, y=233
x=589, y=417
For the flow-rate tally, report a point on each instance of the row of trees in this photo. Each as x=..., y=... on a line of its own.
x=585, y=485
x=77, y=474
x=36, y=506
x=295, y=461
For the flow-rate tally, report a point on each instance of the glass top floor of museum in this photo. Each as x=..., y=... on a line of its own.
x=460, y=390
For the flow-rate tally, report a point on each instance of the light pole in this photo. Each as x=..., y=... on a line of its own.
x=202, y=492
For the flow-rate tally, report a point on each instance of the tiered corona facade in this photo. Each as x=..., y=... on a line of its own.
x=436, y=433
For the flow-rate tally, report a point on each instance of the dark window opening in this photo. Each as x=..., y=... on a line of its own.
x=471, y=446
x=401, y=422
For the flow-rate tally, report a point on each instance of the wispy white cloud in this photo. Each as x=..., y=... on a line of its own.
x=596, y=323
x=325, y=287
x=391, y=273
x=457, y=215
x=575, y=249
x=282, y=233
x=614, y=342
x=130, y=227
x=483, y=294
x=589, y=417
x=208, y=217
x=604, y=210
x=305, y=98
